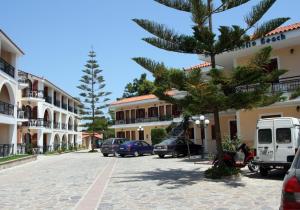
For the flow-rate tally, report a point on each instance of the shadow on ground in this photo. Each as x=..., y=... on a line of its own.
x=176, y=178
x=273, y=175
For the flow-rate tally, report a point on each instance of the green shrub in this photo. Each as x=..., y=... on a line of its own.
x=218, y=172
x=157, y=135
x=231, y=145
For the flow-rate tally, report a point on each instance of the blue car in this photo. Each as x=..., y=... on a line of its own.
x=135, y=148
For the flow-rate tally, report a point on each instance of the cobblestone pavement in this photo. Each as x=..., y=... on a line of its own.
x=152, y=183
x=51, y=182
x=66, y=181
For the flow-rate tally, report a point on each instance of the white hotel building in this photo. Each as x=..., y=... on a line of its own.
x=32, y=109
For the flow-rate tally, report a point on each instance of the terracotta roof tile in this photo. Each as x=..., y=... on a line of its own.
x=284, y=29
x=97, y=135
x=138, y=98
x=199, y=66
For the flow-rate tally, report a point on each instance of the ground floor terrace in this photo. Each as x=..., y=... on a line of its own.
x=86, y=181
x=43, y=140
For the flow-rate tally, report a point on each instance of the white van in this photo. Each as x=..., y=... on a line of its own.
x=277, y=140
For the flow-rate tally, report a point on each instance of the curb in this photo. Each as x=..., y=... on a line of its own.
x=17, y=162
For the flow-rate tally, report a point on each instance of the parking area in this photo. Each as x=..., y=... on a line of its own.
x=70, y=181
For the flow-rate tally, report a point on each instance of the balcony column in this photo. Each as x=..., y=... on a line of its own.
x=40, y=142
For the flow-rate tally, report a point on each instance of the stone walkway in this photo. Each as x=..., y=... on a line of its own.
x=90, y=181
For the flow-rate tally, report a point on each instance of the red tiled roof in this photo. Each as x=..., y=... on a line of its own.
x=284, y=29
x=138, y=98
x=97, y=135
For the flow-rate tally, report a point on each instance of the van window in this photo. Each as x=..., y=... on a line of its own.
x=283, y=135
x=264, y=136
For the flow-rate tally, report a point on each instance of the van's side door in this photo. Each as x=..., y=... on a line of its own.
x=284, y=135
x=265, y=141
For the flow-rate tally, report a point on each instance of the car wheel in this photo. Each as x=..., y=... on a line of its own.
x=175, y=154
x=105, y=155
x=122, y=155
x=136, y=154
x=161, y=156
x=263, y=171
x=252, y=167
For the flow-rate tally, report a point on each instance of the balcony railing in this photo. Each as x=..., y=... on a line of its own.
x=64, y=106
x=34, y=94
x=64, y=126
x=6, y=108
x=48, y=99
x=7, y=68
x=38, y=123
x=70, y=108
x=143, y=120
x=21, y=114
x=6, y=150
x=57, y=103
x=287, y=84
x=56, y=125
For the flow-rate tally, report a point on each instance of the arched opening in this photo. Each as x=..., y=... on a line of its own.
x=64, y=142
x=47, y=119
x=6, y=100
x=70, y=123
x=34, y=112
x=56, y=145
x=27, y=138
x=27, y=112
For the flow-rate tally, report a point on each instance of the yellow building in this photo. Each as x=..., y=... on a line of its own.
x=147, y=112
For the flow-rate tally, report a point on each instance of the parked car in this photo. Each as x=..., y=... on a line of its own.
x=98, y=143
x=290, y=198
x=277, y=140
x=135, y=148
x=176, y=147
x=111, y=146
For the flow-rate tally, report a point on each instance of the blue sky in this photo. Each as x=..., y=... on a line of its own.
x=56, y=36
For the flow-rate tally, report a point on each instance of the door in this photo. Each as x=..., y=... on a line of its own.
x=283, y=129
x=233, y=129
x=133, y=135
x=127, y=134
x=265, y=140
x=141, y=135
x=161, y=112
x=133, y=116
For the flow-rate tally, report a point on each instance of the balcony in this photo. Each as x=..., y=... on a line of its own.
x=70, y=127
x=21, y=114
x=7, y=68
x=56, y=125
x=145, y=120
x=57, y=103
x=34, y=94
x=64, y=126
x=76, y=128
x=70, y=108
x=64, y=106
x=48, y=99
x=285, y=85
x=38, y=123
x=6, y=108
x=75, y=110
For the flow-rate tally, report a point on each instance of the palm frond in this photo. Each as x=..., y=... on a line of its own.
x=182, y=5
x=258, y=12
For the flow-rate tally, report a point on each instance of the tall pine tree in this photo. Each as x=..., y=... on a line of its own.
x=217, y=94
x=92, y=92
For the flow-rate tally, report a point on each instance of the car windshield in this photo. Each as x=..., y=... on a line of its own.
x=128, y=142
x=108, y=141
x=169, y=141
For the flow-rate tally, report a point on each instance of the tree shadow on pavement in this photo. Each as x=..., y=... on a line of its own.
x=176, y=178
x=273, y=175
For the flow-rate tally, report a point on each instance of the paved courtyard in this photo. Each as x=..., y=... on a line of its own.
x=90, y=181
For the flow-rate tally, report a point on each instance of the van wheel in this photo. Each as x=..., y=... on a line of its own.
x=136, y=154
x=105, y=155
x=263, y=171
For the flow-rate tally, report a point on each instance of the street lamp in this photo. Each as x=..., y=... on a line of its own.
x=140, y=130
x=203, y=122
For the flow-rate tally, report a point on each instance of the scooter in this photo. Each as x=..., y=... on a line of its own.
x=231, y=160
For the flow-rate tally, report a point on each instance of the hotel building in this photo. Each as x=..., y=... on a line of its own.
x=48, y=116
x=285, y=42
x=9, y=56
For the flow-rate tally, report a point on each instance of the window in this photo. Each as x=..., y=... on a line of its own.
x=120, y=115
x=153, y=112
x=140, y=113
x=265, y=136
x=270, y=116
x=169, y=110
x=273, y=65
x=191, y=133
x=121, y=134
x=283, y=135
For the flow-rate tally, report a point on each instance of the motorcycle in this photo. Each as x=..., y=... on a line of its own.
x=231, y=160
